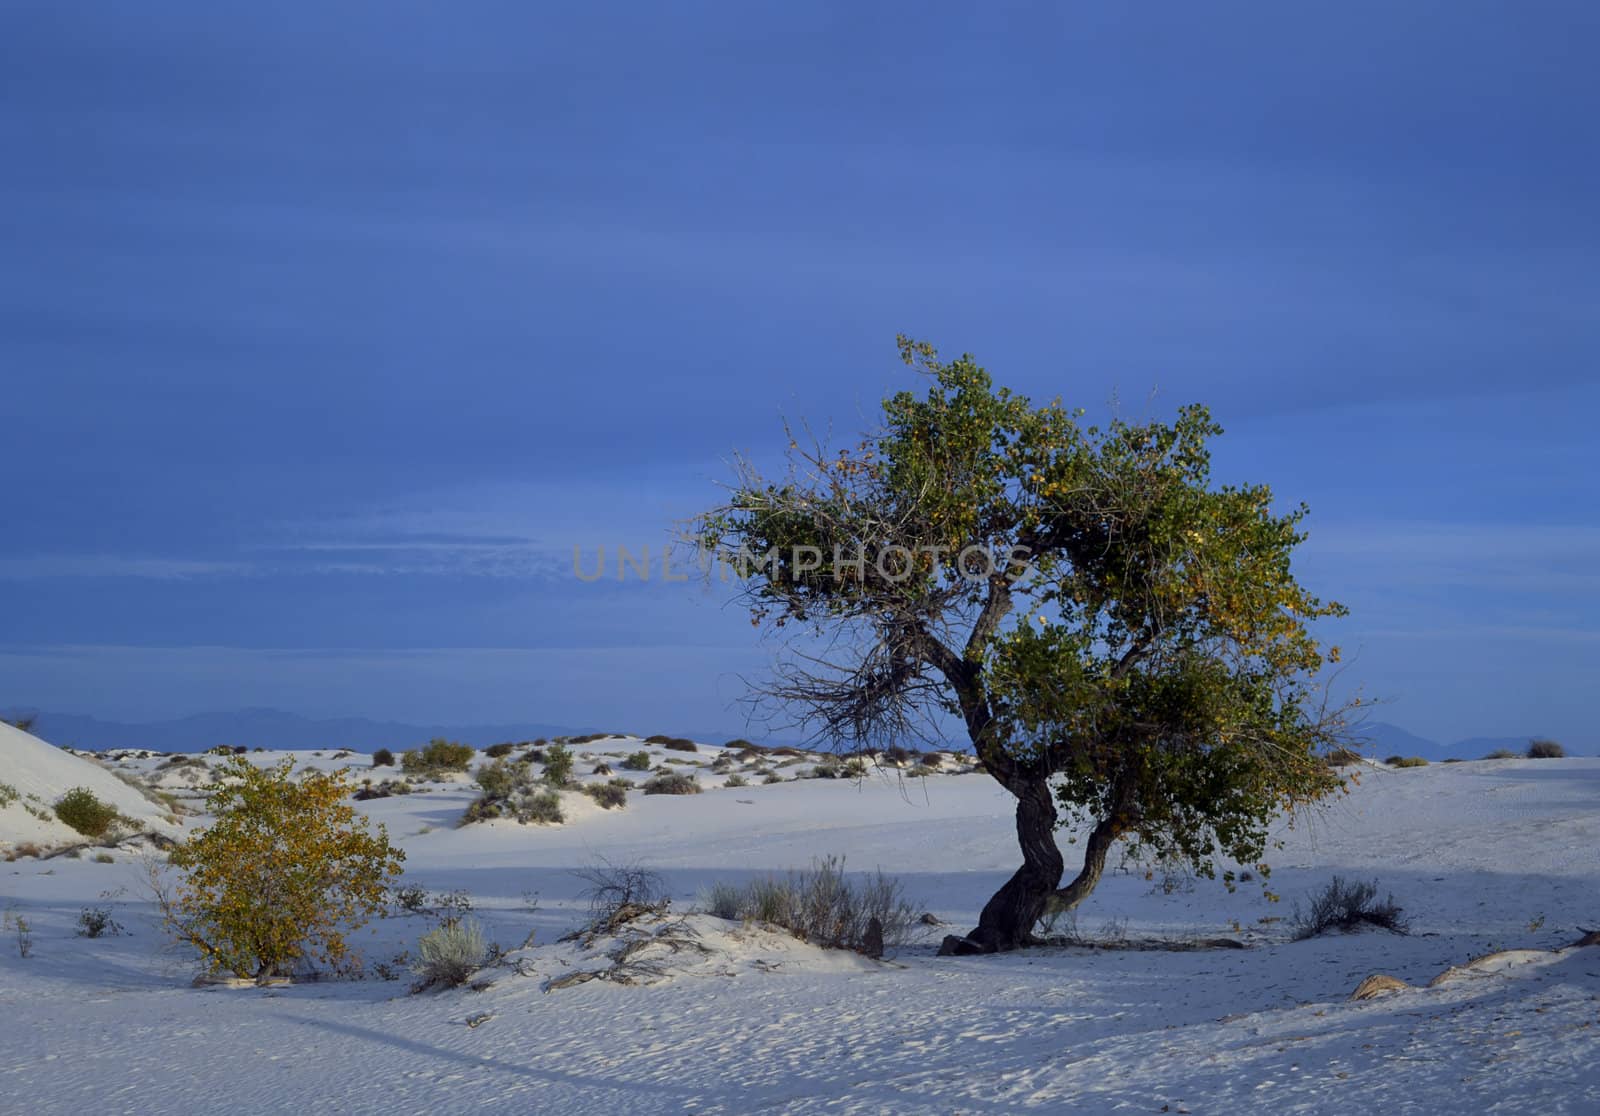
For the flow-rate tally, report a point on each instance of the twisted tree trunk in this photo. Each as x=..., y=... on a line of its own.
x=1008, y=918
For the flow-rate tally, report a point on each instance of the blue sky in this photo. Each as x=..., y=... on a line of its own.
x=327, y=331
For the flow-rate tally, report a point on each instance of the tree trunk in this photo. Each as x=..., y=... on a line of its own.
x=1008, y=919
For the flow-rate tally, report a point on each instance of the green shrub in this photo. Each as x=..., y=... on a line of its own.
x=612, y=796
x=638, y=761
x=1545, y=749
x=771, y=777
x=543, y=808
x=80, y=809
x=498, y=751
x=672, y=783
x=383, y=758
x=735, y=780
x=499, y=779
x=1406, y=761
x=449, y=954
x=679, y=744
x=557, y=765
x=1502, y=753
x=8, y=794
x=438, y=756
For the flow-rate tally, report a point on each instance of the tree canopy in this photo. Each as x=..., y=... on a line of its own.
x=1122, y=639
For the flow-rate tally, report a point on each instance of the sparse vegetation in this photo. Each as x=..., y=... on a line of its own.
x=1502, y=753
x=672, y=782
x=616, y=889
x=97, y=922
x=1346, y=906
x=1342, y=757
x=736, y=780
x=282, y=874
x=1540, y=748
x=448, y=955
x=1406, y=761
x=383, y=758
x=509, y=791
x=498, y=751
x=8, y=794
x=558, y=761
x=84, y=812
x=823, y=906
x=437, y=757
x=638, y=761
x=612, y=795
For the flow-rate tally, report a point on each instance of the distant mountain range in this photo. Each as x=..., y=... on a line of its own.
x=276, y=729
x=1383, y=740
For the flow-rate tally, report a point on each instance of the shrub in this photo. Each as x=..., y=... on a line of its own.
x=543, y=808
x=499, y=779
x=1406, y=761
x=735, y=780
x=438, y=756
x=557, y=765
x=614, y=889
x=674, y=743
x=381, y=790
x=383, y=758
x=80, y=809
x=8, y=794
x=1502, y=753
x=1346, y=906
x=601, y=768
x=24, y=849
x=96, y=922
x=448, y=955
x=743, y=745
x=638, y=761
x=1545, y=749
x=771, y=777
x=282, y=874
x=823, y=906
x=498, y=751
x=610, y=795
x=1342, y=757
x=674, y=782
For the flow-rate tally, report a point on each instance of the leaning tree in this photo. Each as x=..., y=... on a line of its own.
x=1122, y=640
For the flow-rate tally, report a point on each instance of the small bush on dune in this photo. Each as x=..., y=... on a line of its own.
x=736, y=780
x=1502, y=753
x=743, y=745
x=1345, y=906
x=823, y=906
x=85, y=813
x=437, y=756
x=96, y=922
x=612, y=796
x=385, y=789
x=638, y=761
x=510, y=792
x=383, y=758
x=448, y=955
x=558, y=765
x=1342, y=757
x=617, y=889
x=601, y=768
x=1545, y=749
x=771, y=777
x=498, y=751
x=1406, y=761
x=8, y=794
x=679, y=744
x=672, y=783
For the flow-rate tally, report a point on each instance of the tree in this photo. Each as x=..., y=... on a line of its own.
x=282, y=874
x=1120, y=639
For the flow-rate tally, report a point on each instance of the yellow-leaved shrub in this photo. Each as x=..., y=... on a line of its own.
x=285, y=871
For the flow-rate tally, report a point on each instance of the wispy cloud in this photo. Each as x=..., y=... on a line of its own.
x=44, y=566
